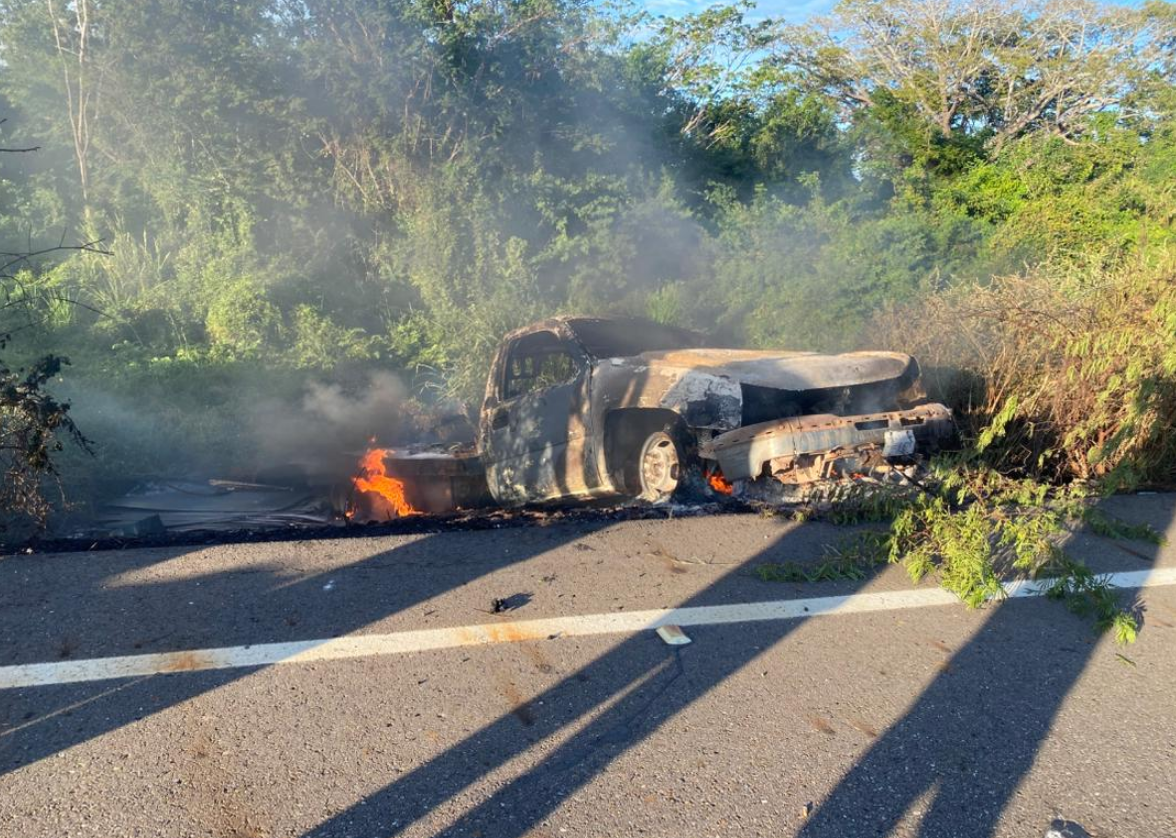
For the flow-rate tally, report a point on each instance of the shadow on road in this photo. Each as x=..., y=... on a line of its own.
x=100, y=618
x=633, y=689
x=973, y=734
x=969, y=739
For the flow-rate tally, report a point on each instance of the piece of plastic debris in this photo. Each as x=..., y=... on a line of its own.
x=672, y=635
x=806, y=810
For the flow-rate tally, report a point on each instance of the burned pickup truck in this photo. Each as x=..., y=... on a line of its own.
x=587, y=407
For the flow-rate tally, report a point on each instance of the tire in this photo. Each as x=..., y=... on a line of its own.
x=656, y=467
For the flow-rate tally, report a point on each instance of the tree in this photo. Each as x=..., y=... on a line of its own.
x=72, y=26
x=972, y=66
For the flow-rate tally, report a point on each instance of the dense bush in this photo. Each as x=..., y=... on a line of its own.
x=33, y=427
x=1060, y=375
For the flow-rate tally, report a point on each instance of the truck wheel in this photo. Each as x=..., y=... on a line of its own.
x=658, y=467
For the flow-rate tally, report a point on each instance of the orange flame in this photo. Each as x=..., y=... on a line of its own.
x=719, y=483
x=373, y=477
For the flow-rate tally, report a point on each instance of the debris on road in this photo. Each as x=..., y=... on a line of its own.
x=152, y=525
x=672, y=635
x=156, y=507
x=510, y=603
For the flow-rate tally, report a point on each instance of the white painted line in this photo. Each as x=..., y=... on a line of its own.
x=368, y=645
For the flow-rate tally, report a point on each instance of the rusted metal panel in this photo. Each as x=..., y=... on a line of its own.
x=536, y=445
x=701, y=399
x=743, y=453
x=412, y=464
x=793, y=371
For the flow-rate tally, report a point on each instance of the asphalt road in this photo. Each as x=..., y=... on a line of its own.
x=918, y=718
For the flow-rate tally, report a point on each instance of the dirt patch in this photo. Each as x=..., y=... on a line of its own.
x=210, y=784
x=822, y=725
x=520, y=707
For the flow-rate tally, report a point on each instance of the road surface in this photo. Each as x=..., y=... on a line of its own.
x=371, y=687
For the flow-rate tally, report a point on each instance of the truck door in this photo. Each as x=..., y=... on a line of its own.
x=528, y=424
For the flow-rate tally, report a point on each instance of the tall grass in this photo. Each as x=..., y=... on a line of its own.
x=1055, y=375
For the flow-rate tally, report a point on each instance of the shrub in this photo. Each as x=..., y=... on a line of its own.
x=32, y=424
x=1060, y=376
x=241, y=322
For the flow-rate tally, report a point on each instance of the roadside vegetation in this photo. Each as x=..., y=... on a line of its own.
x=974, y=530
x=298, y=195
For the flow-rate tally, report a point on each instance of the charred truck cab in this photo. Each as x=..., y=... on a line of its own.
x=585, y=407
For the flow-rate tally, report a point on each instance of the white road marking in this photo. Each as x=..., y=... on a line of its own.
x=395, y=643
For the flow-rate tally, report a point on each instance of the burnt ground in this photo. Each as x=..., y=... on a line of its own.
x=473, y=520
x=928, y=720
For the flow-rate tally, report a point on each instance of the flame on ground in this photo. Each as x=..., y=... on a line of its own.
x=719, y=483
x=373, y=477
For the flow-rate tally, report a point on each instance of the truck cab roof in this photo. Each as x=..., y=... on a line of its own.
x=615, y=337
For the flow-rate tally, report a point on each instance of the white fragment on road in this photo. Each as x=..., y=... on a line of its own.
x=401, y=642
x=673, y=635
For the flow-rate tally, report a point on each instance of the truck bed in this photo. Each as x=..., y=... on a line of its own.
x=440, y=481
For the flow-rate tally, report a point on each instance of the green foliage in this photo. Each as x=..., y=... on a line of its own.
x=302, y=189
x=974, y=530
x=320, y=344
x=958, y=546
x=33, y=425
x=978, y=526
x=998, y=425
x=1091, y=596
x=866, y=503
x=241, y=322
x=1107, y=525
x=826, y=571
x=1072, y=372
